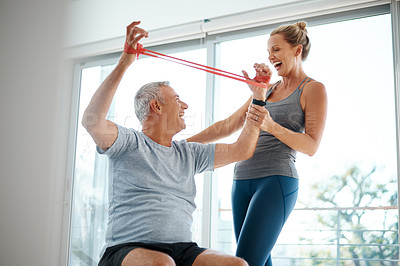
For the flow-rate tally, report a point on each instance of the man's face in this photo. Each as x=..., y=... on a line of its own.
x=173, y=110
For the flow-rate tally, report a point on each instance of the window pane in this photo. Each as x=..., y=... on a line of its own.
x=231, y=95
x=90, y=187
x=90, y=201
x=351, y=183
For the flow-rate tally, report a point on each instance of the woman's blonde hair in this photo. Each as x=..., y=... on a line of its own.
x=296, y=34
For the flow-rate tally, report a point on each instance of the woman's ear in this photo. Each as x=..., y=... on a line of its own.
x=155, y=106
x=299, y=49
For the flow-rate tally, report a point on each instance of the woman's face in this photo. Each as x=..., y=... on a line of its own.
x=282, y=55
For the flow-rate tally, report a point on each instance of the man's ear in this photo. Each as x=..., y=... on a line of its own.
x=155, y=106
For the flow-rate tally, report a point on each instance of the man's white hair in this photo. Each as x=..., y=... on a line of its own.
x=147, y=93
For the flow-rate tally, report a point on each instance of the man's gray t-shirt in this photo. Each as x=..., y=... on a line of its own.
x=152, y=188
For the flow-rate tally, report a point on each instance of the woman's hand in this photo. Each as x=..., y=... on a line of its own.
x=262, y=70
x=261, y=118
x=263, y=73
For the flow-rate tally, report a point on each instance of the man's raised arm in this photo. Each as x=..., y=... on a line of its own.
x=103, y=131
x=245, y=145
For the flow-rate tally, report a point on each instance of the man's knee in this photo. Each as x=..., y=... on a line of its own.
x=217, y=258
x=239, y=262
x=234, y=261
x=158, y=261
x=147, y=258
x=163, y=261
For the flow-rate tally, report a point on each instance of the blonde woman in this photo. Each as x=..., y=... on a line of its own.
x=265, y=186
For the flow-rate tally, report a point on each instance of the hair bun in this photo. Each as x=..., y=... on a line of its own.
x=302, y=25
x=295, y=34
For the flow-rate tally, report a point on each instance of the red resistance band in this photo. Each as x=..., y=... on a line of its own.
x=140, y=50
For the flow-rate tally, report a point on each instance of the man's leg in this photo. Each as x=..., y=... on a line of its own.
x=146, y=257
x=215, y=258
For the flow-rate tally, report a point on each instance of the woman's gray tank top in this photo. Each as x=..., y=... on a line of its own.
x=273, y=157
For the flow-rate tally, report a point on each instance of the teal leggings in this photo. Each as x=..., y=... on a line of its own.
x=260, y=208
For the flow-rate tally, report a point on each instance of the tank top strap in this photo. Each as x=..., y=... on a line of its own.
x=303, y=83
x=272, y=88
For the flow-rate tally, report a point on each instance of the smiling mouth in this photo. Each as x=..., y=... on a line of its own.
x=277, y=64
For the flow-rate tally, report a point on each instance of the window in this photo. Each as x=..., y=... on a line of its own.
x=347, y=207
x=90, y=200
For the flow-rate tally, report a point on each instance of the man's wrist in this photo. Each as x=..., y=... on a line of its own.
x=126, y=59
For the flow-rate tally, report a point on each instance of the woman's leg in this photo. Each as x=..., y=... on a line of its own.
x=240, y=202
x=266, y=214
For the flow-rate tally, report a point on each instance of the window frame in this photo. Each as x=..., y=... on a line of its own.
x=211, y=42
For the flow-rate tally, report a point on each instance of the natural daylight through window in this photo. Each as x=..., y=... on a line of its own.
x=346, y=212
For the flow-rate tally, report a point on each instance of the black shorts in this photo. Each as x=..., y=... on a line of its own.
x=183, y=253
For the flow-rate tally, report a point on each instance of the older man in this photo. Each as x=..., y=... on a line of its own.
x=152, y=185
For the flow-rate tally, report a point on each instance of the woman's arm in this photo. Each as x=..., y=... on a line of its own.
x=315, y=110
x=233, y=123
x=245, y=145
x=223, y=128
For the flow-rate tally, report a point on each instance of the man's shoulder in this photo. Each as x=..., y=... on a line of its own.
x=125, y=131
x=185, y=143
x=196, y=147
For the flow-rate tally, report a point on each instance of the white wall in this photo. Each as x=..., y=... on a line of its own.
x=98, y=26
x=30, y=114
x=95, y=20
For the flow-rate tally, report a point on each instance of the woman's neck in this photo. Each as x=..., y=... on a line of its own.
x=294, y=78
